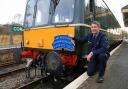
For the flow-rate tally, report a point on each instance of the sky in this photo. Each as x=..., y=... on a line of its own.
x=115, y=6
x=11, y=10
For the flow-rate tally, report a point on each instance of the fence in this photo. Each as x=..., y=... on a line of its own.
x=10, y=39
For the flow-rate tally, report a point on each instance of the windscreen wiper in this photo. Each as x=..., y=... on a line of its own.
x=53, y=6
x=55, y=3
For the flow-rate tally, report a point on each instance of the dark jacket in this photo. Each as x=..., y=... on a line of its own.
x=97, y=45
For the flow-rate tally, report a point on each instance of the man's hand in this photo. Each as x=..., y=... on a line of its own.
x=89, y=56
x=71, y=36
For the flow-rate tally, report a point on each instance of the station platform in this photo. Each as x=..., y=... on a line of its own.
x=116, y=76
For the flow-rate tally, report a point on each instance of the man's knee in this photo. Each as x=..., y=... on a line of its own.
x=102, y=57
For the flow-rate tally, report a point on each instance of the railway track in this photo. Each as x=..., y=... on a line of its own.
x=45, y=83
x=11, y=70
x=30, y=84
x=48, y=82
x=7, y=63
x=15, y=77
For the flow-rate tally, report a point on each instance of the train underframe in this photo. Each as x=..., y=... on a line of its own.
x=56, y=64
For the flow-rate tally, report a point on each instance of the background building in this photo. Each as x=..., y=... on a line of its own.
x=125, y=15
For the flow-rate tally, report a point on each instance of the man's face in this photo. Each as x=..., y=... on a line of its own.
x=95, y=28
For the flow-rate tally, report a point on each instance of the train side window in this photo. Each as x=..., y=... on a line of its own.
x=105, y=16
x=102, y=13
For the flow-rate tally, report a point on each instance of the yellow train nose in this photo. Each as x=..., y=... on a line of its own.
x=43, y=38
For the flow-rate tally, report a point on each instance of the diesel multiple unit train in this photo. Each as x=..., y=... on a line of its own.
x=48, y=23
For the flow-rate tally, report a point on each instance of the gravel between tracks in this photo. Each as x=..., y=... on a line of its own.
x=14, y=81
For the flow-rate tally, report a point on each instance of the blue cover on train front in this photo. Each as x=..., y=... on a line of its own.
x=63, y=41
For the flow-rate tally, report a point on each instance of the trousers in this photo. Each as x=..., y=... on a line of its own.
x=97, y=64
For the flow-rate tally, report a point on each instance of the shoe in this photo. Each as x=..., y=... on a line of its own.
x=100, y=79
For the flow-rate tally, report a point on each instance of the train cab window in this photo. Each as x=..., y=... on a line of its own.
x=29, y=13
x=102, y=13
x=64, y=12
x=42, y=12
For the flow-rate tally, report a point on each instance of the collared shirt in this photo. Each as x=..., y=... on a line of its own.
x=96, y=34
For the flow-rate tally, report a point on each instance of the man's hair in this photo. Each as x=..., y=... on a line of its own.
x=96, y=22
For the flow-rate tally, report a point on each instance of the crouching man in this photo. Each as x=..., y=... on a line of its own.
x=97, y=51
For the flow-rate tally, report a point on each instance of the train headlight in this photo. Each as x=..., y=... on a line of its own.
x=27, y=42
x=40, y=43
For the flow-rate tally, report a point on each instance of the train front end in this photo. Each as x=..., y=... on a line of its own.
x=47, y=26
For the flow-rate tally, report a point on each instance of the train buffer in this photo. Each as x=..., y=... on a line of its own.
x=116, y=76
